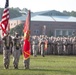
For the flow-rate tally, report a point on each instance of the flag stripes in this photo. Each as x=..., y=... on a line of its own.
x=5, y=18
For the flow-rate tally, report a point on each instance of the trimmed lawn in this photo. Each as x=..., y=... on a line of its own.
x=48, y=65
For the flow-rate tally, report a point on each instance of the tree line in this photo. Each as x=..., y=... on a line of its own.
x=72, y=13
x=14, y=12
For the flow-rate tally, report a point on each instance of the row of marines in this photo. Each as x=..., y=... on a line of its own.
x=54, y=45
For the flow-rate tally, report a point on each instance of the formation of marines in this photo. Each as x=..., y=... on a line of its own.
x=39, y=45
x=55, y=45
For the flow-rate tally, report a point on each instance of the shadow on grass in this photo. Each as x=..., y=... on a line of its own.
x=55, y=71
x=47, y=70
x=61, y=71
x=43, y=70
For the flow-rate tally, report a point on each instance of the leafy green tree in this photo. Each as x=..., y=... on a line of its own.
x=18, y=29
x=13, y=12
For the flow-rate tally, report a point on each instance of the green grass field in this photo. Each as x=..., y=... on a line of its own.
x=48, y=65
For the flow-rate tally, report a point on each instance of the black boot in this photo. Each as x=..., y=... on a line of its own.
x=6, y=66
x=15, y=67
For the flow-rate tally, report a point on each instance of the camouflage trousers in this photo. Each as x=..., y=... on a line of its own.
x=35, y=50
x=6, y=57
x=26, y=63
x=16, y=55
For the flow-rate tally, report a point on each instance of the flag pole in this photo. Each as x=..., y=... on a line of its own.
x=29, y=14
x=29, y=18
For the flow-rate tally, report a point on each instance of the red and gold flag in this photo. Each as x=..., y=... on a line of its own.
x=26, y=44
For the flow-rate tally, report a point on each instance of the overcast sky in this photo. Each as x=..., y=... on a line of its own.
x=42, y=5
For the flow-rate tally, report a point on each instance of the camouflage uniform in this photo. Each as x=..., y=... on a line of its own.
x=0, y=45
x=51, y=45
x=35, y=46
x=16, y=51
x=70, y=47
x=26, y=63
x=7, y=41
x=60, y=46
x=74, y=46
x=55, y=47
x=42, y=46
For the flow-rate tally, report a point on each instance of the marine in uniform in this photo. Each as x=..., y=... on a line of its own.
x=74, y=46
x=7, y=41
x=60, y=46
x=35, y=46
x=16, y=50
x=42, y=46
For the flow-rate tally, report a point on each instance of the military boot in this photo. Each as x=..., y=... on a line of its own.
x=6, y=66
x=15, y=67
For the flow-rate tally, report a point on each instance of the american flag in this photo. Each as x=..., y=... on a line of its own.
x=5, y=18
